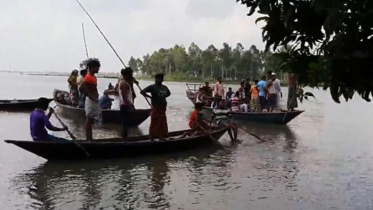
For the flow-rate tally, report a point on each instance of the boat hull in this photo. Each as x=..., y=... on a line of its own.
x=18, y=105
x=138, y=116
x=280, y=118
x=116, y=148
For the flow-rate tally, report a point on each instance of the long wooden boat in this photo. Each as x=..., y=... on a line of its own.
x=138, y=116
x=281, y=118
x=116, y=147
x=18, y=105
x=192, y=90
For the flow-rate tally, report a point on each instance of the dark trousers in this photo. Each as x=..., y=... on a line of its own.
x=125, y=116
x=217, y=101
x=262, y=102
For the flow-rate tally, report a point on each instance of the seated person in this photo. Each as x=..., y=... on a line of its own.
x=208, y=89
x=110, y=87
x=229, y=97
x=196, y=123
x=105, y=101
x=224, y=121
x=39, y=121
x=201, y=96
x=235, y=103
x=245, y=107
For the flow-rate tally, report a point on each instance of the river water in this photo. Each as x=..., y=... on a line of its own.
x=321, y=160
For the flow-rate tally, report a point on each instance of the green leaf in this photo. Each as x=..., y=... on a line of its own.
x=264, y=18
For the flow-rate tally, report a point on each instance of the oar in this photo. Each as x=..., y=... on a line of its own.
x=253, y=134
x=63, y=124
x=72, y=136
x=111, y=46
x=85, y=43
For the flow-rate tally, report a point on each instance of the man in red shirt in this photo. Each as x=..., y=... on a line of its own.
x=89, y=88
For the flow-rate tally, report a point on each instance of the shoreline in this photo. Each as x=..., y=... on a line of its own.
x=168, y=78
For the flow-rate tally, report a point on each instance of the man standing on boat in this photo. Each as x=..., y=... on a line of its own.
x=262, y=93
x=218, y=92
x=277, y=85
x=83, y=73
x=247, y=91
x=39, y=121
x=89, y=88
x=292, y=95
x=126, y=99
x=159, y=93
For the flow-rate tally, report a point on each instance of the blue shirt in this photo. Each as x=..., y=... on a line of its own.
x=38, y=122
x=261, y=85
x=105, y=102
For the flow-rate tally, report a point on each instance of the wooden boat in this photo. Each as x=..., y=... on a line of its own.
x=192, y=90
x=108, y=115
x=18, y=105
x=116, y=147
x=281, y=118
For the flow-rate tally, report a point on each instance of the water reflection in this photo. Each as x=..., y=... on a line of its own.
x=118, y=184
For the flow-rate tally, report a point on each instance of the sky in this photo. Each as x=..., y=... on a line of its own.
x=41, y=35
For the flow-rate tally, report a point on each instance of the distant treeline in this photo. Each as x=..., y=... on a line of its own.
x=191, y=64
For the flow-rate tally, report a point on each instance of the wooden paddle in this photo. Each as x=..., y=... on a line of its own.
x=252, y=134
x=71, y=135
x=111, y=46
x=63, y=124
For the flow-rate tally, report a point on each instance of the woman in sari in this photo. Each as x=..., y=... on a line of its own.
x=292, y=96
x=73, y=86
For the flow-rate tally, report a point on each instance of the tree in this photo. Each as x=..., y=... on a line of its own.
x=236, y=59
x=225, y=59
x=330, y=42
x=196, y=63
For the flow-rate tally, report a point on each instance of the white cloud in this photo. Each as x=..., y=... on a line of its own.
x=39, y=35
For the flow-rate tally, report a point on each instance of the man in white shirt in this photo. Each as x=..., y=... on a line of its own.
x=277, y=86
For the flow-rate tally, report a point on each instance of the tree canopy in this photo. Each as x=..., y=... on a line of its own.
x=327, y=42
x=228, y=62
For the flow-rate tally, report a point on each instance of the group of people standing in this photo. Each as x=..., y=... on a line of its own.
x=263, y=95
x=84, y=93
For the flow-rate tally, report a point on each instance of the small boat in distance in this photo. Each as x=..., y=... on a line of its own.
x=18, y=104
x=117, y=148
x=108, y=115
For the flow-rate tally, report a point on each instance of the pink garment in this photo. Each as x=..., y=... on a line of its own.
x=219, y=89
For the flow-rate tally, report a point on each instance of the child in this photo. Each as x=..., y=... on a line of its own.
x=196, y=123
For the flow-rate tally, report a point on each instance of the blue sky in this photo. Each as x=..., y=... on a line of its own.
x=40, y=35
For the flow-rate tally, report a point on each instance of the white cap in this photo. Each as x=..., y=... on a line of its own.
x=273, y=74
